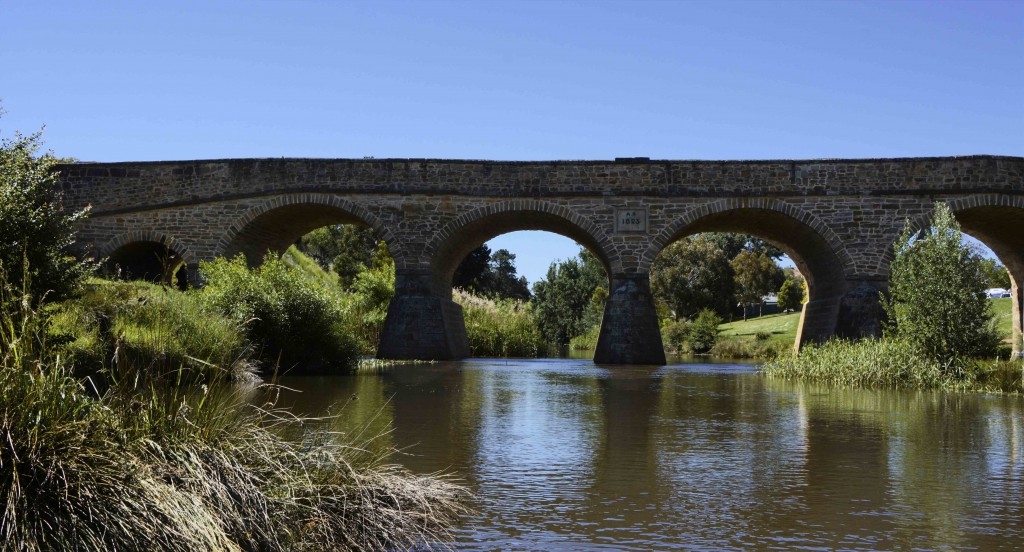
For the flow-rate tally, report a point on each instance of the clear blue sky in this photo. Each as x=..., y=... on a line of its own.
x=117, y=81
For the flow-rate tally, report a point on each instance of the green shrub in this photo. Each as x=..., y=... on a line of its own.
x=500, y=328
x=292, y=322
x=703, y=332
x=367, y=304
x=674, y=334
x=763, y=335
x=791, y=295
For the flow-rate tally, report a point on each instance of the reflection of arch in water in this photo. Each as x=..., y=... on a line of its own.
x=277, y=223
x=997, y=221
x=815, y=249
x=470, y=230
x=147, y=255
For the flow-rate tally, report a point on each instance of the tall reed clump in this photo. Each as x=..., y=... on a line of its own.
x=887, y=363
x=500, y=328
x=588, y=340
x=762, y=349
x=293, y=322
x=146, y=323
x=175, y=458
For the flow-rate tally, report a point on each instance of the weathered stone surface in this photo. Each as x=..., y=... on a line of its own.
x=837, y=219
x=630, y=332
x=861, y=313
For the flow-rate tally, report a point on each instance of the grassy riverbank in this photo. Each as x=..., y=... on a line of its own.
x=769, y=336
x=124, y=427
x=890, y=363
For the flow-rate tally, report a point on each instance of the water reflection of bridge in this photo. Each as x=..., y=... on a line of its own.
x=738, y=461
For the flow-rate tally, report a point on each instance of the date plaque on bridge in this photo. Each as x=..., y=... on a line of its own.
x=631, y=220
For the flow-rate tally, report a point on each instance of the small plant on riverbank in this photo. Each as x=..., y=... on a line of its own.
x=367, y=304
x=587, y=341
x=761, y=349
x=500, y=328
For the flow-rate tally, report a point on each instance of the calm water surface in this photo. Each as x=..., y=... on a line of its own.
x=566, y=455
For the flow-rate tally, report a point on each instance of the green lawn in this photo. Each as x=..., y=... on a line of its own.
x=1003, y=316
x=783, y=326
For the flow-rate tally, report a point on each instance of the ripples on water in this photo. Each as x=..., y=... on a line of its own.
x=566, y=455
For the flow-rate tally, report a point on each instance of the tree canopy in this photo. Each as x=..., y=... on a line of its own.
x=564, y=302
x=491, y=275
x=345, y=249
x=693, y=274
x=757, y=275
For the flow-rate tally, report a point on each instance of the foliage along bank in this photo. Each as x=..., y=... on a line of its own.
x=939, y=330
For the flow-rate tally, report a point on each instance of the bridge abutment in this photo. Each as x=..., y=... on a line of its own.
x=629, y=330
x=420, y=324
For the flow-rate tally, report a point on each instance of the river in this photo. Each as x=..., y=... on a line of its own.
x=566, y=455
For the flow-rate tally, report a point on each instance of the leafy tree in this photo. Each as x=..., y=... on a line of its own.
x=791, y=294
x=693, y=274
x=995, y=274
x=562, y=300
x=474, y=272
x=505, y=283
x=732, y=244
x=937, y=301
x=33, y=224
x=756, y=275
x=491, y=275
x=345, y=249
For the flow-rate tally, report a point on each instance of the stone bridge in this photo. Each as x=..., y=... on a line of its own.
x=837, y=220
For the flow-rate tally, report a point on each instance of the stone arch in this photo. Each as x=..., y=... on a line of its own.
x=815, y=248
x=133, y=236
x=679, y=227
x=455, y=240
x=148, y=255
x=276, y=223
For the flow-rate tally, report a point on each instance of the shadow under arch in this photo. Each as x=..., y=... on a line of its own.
x=814, y=248
x=277, y=223
x=148, y=255
x=467, y=232
x=997, y=220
